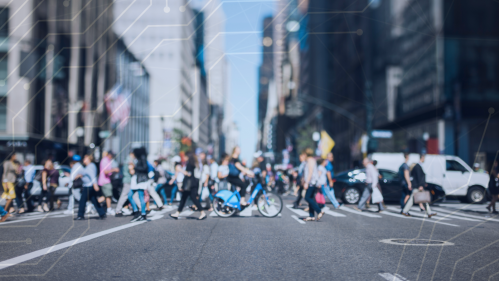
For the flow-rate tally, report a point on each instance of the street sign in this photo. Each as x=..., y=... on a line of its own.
x=382, y=134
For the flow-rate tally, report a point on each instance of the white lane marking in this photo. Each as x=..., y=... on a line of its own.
x=391, y=277
x=414, y=214
x=421, y=219
x=186, y=213
x=213, y=214
x=20, y=259
x=359, y=213
x=463, y=215
x=332, y=213
x=248, y=212
x=299, y=212
x=297, y=219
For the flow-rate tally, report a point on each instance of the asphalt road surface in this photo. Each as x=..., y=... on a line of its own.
x=344, y=245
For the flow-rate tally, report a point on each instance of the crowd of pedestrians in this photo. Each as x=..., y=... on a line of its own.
x=197, y=177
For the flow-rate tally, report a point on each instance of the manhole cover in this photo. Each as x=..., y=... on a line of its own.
x=416, y=242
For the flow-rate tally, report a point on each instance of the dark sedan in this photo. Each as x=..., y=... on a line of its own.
x=349, y=186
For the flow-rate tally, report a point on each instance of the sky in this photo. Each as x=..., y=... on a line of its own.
x=243, y=48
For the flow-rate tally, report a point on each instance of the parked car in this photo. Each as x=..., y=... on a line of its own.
x=349, y=186
x=450, y=173
x=65, y=182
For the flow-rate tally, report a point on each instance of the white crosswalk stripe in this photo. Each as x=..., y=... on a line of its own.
x=421, y=219
x=416, y=213
x=456, y=212
x=365, y=214
x=332, y=213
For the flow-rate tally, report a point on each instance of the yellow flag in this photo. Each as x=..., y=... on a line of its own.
x=327, y=143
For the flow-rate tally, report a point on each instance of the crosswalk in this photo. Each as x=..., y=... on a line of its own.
x=452, y=217
x=446, y=217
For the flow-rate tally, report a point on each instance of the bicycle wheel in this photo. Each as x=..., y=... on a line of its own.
x=269, y=208
x=221, y=210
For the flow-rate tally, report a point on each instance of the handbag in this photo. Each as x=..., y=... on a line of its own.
x=78, y=183
x=377, y=197
x=422, y=197
x=319, y=198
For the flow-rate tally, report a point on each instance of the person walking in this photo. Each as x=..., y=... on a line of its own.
x=299, y=179
x=310, y=177
x=212, y=184
x=9, y=176
x=178, y=178
x=418, y=185
x=127, y=179
x=25, y=188
x=372, y=179
x=404, y=175
x=323, y=182
x=106, y=169
x=50, y=181
x=223, y=173
x=139, y=183
x=190, y=187
x=493, y=187
x=76, y=169
x=160, y=179
x=90, y=188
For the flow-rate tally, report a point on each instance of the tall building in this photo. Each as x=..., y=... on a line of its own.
x=265, y=77
x=446, y=89
x=56, y=65
x=216, y=67
x=162, y=36
x=131, y=96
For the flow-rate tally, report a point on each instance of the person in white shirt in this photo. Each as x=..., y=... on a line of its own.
x=323, y=183
x=372, y=178
x=223, y=173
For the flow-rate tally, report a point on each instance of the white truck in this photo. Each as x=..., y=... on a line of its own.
x=451, y=173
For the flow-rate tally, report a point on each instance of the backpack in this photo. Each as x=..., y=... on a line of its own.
x=233, y=171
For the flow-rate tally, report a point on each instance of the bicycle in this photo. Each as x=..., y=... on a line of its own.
x=226, y=203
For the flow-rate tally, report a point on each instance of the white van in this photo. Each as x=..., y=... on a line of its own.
x=451, y=173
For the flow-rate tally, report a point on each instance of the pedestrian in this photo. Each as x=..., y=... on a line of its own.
x=372, y=179
x=223, y=173
x=235, y=170
x=493, y=187
x=323, y=182
x=160, y=179
x=418, y=185
x=106, y=168
x=214, y=180
x=190, y=187
x=50, y=181
x=9, y=176
x=177, y=179
x=76, y=169
x=404, y=175
x=139, y=183
x=310, y=177
x=127, y=179
x=150, y=191
x=299, y=179
x=204, y=183
x=90, y=188
x=24, y=188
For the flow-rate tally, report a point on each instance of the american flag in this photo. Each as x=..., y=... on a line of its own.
x=117, y=106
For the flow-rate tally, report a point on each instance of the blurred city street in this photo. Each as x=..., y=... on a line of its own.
x=249, y=139
x=344, y=245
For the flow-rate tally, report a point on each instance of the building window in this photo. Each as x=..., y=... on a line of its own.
x=3, y=114
x=4, y=22
x=3, y=75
